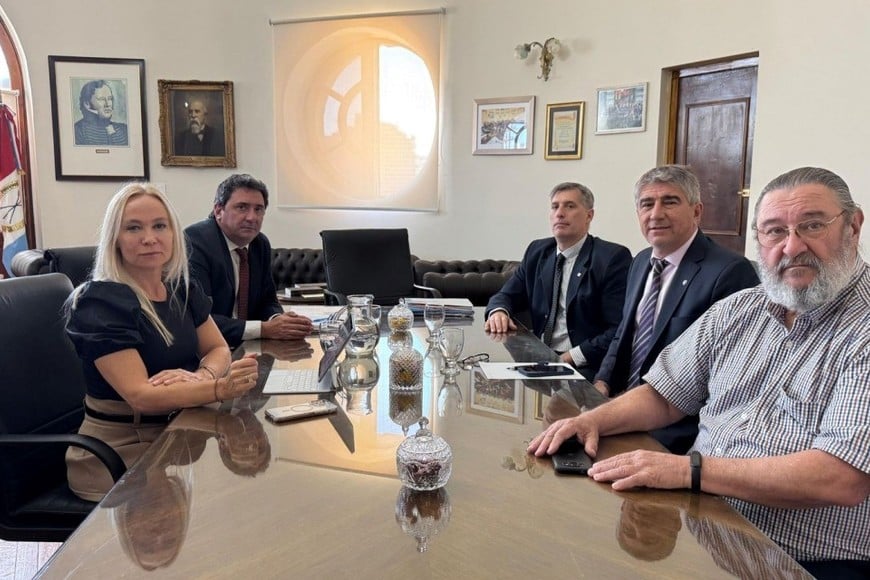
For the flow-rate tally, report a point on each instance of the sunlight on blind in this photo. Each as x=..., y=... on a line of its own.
x=356, y=110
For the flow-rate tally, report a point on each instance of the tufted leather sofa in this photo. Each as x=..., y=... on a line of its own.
x=476, y=280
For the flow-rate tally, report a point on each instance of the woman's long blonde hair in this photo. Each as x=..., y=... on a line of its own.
x=109, y=265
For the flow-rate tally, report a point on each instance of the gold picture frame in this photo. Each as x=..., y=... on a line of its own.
x=565, y=130
x=196, y=124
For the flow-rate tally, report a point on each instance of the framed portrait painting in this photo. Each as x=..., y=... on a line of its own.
x=502, y=399
x=564, y=130
x=98, y=118
x=504, y=126
x=621, y=109
x=196, y=124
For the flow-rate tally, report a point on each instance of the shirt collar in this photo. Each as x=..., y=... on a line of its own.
x=573, y=251
x=231, y=244
x=675, y=257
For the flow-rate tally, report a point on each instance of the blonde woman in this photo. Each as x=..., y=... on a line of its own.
x=143, y=331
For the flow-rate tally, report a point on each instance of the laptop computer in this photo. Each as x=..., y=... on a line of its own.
x=308, y=381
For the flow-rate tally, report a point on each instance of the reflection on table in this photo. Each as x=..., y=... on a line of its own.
x=225, y=493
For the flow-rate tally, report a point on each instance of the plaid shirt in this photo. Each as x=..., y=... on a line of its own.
x=764, y=390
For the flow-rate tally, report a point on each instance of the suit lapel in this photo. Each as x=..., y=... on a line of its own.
x=580, y=269
x=689, y=267
x=221, y=242
x=548, y=270
x=634, y=290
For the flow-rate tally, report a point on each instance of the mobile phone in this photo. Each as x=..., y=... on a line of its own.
x=301, y=410
x=571, y=459
x=544, y=369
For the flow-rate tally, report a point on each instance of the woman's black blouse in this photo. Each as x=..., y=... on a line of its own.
x=108, y=318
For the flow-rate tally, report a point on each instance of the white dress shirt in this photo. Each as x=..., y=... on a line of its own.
x=673, y=259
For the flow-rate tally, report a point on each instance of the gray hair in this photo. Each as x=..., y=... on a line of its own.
x=680, y=176
x=813, y=175
x=586, y=197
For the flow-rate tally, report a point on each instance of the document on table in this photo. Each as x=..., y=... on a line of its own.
x=316, y=312
x=500, y=371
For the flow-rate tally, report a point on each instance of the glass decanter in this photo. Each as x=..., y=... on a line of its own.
x=359, y=372
x=365, y=333
x=424, y=461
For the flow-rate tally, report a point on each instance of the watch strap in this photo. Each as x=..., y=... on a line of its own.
x=695, y=465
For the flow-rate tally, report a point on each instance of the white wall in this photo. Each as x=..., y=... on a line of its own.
x=810, y=101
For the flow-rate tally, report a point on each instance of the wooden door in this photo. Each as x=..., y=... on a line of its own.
x=712, y=131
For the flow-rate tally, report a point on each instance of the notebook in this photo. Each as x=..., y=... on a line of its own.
x=308, y=381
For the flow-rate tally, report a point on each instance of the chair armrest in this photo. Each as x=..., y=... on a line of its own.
x=108, y=456
x=434, y=292
x=334, y=298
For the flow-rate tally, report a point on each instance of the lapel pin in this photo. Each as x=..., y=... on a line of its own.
x=579, y=274
x=685, y=282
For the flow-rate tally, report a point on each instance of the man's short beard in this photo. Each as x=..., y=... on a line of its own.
x=830, y=278
x=196, y=127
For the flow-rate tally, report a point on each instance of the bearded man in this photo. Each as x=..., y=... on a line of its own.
x=779, y=375
x=200, y=138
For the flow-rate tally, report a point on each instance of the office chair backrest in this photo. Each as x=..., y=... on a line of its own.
x=41, y=382
x=76, y=263
x=369, y=261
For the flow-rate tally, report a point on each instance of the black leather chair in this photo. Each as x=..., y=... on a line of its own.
x=76, y=263
x=370, y=261
x=41, y=391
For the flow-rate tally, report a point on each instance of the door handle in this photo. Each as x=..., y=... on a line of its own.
x=743, y=193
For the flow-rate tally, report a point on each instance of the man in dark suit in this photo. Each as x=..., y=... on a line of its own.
x=696, y=273
x=232, y=261
x=199, y=138
x=573, y=284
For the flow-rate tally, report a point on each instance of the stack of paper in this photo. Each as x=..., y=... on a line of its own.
x=453, y=307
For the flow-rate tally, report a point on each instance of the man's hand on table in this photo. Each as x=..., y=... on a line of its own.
x=499, y=322
x=287, y=326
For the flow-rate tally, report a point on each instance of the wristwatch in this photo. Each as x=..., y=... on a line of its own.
x=695, y=464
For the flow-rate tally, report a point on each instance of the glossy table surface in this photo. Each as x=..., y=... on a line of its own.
x=226, y=493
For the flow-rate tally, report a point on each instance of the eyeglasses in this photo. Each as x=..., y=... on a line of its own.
x=809, y=230
x=472, y=360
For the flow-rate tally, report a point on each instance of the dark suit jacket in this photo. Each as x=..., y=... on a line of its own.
x=595, y=293
x=211, y=265
x=707, y=273
x=212, y=144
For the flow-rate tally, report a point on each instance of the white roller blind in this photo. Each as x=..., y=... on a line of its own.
x=357, y=112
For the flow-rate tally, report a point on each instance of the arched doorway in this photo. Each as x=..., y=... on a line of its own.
x=12, y=92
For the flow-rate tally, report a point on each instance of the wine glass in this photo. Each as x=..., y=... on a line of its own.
x=433, y=316
x=450, y=403
x=450, y=341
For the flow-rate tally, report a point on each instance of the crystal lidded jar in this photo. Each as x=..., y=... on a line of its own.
x=365, y=333
x=400, y=317
x=424, y=461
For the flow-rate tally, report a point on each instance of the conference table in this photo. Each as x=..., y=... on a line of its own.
x=225, y=493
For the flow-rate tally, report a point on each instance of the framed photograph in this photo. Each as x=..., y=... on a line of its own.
x=502, y=399
x=565, y=130
x=196, y=124
x=504, y=126
x=621, y=109
x=540, y=402
x=98, y=117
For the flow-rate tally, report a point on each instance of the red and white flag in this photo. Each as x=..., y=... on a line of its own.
x=12, y=226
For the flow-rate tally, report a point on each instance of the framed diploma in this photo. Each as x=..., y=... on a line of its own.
x=564, y=130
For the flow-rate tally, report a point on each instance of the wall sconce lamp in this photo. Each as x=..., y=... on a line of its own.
x=548, y=50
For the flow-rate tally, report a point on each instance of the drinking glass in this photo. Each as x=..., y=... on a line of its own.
x=450, y=341
x=450, y=402
x=328, y=331
x=375, y=314
x=433, y=316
